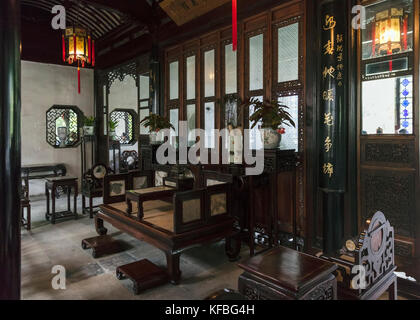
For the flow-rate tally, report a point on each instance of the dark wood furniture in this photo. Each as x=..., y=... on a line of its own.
x=273, y=217
x=193, y=218
x=374, y=251
x=143, y=195
x=409, y=288
x=67, y=183
x=101, y=245
x=42, y=171
x=144, y=275
x=129, y=161
x=179, y=183
x=25, y=204
x=286, y=274
x=92, y=186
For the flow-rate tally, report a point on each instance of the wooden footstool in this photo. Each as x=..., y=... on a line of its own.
x=144, y=275
x=102, y=245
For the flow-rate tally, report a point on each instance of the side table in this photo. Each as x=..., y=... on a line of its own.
x=286, y=274
x=66, y=183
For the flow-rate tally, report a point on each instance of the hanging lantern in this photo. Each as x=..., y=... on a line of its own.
x=388, y=26
x=78, y=48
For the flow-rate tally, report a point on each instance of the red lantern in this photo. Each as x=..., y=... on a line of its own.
x=78, y=48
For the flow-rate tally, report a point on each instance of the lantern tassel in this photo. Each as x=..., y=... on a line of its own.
x=78, y=77
x=234, y=25
x=93, y=53
x=89, y=49
x=74, y=46
x=405, y=27
x=64, y=48
x=373, y=40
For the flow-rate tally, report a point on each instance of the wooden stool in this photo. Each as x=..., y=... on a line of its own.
x=144, y=275
x=65, y=183
x=101, y=245
x=286, y=274
x=24, y=203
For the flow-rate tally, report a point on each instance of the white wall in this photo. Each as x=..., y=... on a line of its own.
x=44, y=85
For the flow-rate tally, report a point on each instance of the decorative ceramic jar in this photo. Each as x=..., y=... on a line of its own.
x=112, y=134
x=270, y=138
x=88, y=130
x=155, y=137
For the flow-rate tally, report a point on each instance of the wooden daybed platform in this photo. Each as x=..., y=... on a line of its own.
x=192, y=218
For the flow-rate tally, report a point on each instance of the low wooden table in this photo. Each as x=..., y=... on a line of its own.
x=286, y=274
x=66, y=183
x=144, y=275
x=147, y=194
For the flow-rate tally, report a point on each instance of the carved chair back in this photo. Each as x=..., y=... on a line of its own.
x=375, y=249
x=115, y=186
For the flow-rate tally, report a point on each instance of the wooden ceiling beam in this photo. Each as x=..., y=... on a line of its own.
x=140, y=9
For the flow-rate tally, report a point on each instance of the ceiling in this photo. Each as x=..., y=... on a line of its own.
x=99, y=20
x=123, y=29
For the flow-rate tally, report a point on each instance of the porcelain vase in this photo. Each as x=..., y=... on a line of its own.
x=270, y=138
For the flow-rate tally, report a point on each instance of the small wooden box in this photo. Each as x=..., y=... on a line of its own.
x=286, y=274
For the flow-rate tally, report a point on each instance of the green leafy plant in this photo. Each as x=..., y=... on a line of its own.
x=271, y=114
x=112, y=125
x=89, y=121
x=155, y=123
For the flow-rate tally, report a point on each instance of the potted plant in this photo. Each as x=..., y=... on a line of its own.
x=112, y=127
x=89, y=126
x=272, y=116
x=155, y=123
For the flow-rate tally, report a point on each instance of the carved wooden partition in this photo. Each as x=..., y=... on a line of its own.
x=287, y=18
x=388, y=164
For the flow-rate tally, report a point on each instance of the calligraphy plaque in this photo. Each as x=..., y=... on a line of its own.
x=333, y=112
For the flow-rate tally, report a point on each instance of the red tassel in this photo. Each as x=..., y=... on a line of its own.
x=89, y=49
x=93, y=53
x=405, y=28
x=78, y=78
x=64, y=48
x=74, y=40
x=234, y=25
x=374, y=40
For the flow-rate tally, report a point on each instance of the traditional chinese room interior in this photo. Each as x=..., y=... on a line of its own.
x=224, y=149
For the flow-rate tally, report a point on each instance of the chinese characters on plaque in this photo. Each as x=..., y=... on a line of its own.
x=333, y=113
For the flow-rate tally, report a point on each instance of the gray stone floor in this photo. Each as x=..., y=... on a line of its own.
x=205, y=269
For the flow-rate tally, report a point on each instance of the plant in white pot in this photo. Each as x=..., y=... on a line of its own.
x=89, y=126
x=112, y=125
x=272, y=116
x=156, y=123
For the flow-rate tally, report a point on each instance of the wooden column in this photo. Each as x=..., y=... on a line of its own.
x=10, y=149
x=332, y=138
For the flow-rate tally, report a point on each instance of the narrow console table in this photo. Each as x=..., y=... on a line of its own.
x=286, y=274
x=66, y=183
x=41, y=171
